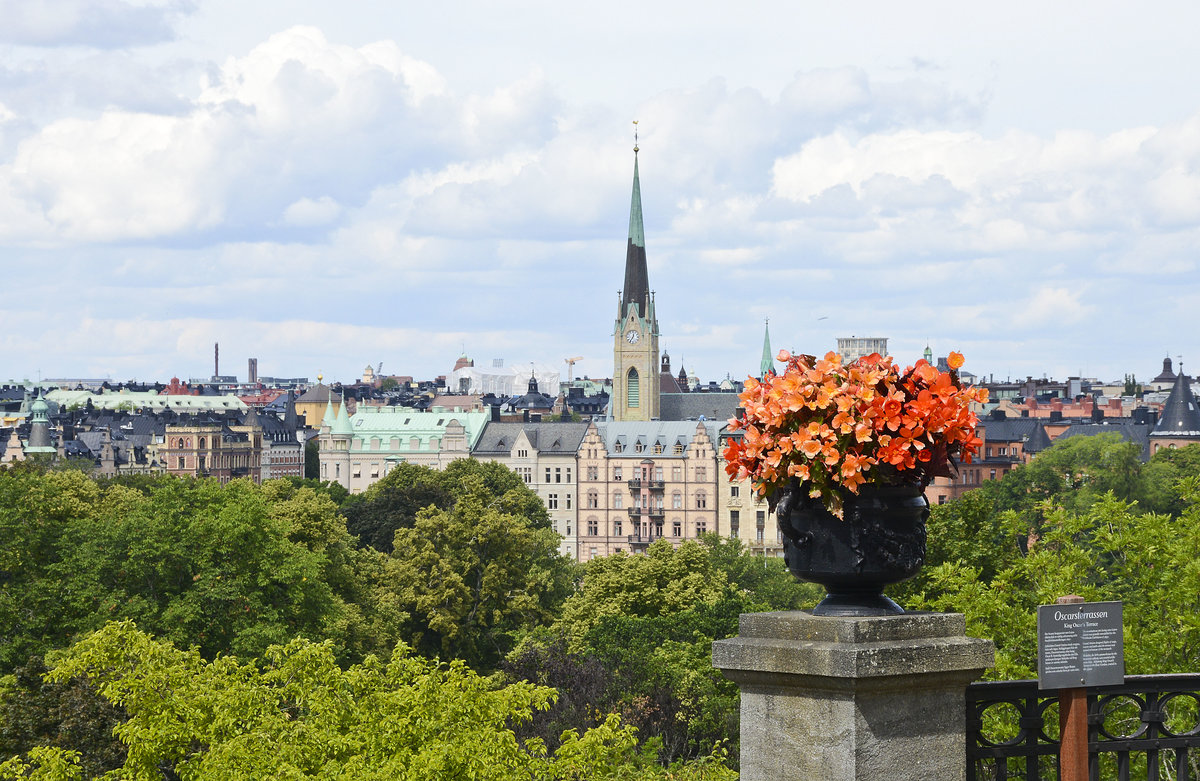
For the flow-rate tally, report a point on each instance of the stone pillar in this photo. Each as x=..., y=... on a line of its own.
x=851, y=699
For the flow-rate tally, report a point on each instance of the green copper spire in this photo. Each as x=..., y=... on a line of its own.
x=342, y=425
x=637, y=283
x=928, y=356
x=768, y=361
x=637, y=234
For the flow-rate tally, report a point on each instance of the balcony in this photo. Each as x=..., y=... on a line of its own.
x=637, y=483
x=642, y=540
x=654, y=513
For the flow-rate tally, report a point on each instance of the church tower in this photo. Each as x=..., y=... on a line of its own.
x=635, y=334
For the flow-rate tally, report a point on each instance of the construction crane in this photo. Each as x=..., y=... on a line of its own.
x=571, y=366
x=379, y=370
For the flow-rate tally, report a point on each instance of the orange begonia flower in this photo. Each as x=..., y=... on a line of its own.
x=954, y=360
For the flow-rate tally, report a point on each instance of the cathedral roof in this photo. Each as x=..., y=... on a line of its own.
x=1180, y=417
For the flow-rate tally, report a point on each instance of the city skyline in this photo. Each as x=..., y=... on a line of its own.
x=325, y=188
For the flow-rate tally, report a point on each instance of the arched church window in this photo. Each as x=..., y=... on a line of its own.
x=632, y=393
x=201, y=443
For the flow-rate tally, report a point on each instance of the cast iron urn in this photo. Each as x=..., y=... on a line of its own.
x=880, y=541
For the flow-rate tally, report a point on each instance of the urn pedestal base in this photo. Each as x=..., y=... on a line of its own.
x=852, y=699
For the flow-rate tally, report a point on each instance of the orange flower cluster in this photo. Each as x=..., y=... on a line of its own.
x=834, y=426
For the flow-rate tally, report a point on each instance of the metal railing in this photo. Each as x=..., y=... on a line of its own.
x=1147, y=728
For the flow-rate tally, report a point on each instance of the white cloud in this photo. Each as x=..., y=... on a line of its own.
x=308, y=213
x=102, y=24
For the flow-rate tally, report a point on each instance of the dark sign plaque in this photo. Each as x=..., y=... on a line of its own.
x=1080, y=645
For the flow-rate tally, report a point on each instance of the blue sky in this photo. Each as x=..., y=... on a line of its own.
x=323, y=186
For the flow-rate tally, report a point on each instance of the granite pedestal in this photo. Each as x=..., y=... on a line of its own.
x=849, y=699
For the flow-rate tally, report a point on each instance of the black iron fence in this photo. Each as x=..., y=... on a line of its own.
x=1145, y=729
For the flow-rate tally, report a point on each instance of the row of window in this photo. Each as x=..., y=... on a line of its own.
x=618, y=500
x=655, y=529
x=593, y=474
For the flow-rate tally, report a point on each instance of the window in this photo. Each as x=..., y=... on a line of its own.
x=593, y=527
x=618, y=501
x=993, y=474
x=632, y=396
x=701, y=500
x=181, y=462
x=593, y=500
x=592, y=553
x=676, y=473
x=701, y=527
x=638, y=447
x=357, y=471
x=617, y=473
x=522, y=454
x=735, y=521
x=552, y=501
x=658, y=448
x=701, y=474
x=568, y=474
x=374, y=470
x=658, y=473
x=677, y=501
x=557, y=474
x=617, y=528
x=758, y=536
x=1002, y=451
x=337, y=468
x=568, y=499
x=676, y=528
x=547, y=474
x=734, y=491
x=593, y=473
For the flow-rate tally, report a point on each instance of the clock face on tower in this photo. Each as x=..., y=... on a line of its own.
x=632, y=336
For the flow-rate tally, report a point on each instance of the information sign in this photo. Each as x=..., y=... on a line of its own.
x=1080, y=645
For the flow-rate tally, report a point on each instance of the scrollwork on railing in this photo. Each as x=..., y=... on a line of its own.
x=1147, y=728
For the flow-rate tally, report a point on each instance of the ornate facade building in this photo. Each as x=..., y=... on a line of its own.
x=360, y=450
x=639, y=482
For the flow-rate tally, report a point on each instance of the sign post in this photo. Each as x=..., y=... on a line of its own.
x=1080, y=644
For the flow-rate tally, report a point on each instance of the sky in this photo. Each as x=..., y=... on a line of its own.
x=323, y=186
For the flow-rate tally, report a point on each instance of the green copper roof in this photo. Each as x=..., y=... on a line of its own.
x=342, y=425
x=637, y=233
x=768, y=362
x=328, y=418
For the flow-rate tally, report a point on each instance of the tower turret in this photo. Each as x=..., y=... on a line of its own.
x=636, y=386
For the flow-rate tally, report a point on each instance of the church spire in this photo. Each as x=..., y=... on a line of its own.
x=637, y=283
x=767, y=366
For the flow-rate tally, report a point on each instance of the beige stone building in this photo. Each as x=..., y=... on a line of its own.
x=639, y=482
x=545, y=455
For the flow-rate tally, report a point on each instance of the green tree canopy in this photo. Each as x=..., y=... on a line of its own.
x=297, y=715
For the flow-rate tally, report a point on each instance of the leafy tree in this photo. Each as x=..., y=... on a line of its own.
x=1111, y=551
x=663, y=581
x=394, y=502
x=477, y=576
x=67, y=714
x=201, y=563
x=389, y=383
x=298, y=715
